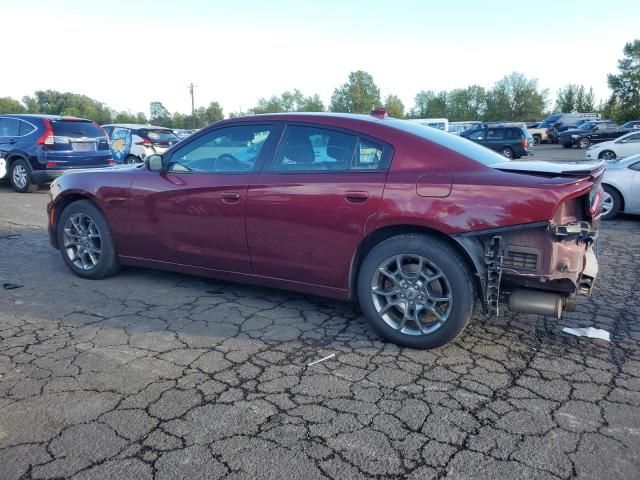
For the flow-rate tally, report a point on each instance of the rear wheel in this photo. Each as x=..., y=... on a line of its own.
x=131, y=159
x=607, y=155
x=584, y=143
x=20, y=176
x=537, y=139
x=611, y=203
x=507, y=152
x=416, y=291
x=85, y=241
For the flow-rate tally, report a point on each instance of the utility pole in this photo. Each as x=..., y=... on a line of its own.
x=193, y=105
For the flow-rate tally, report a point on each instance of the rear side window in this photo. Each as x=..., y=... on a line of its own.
x=9, y=127
x=369, y=156
x=310, y=148
x=76, y=129
x=513, y=133
x=26, y=128
x=495, y=133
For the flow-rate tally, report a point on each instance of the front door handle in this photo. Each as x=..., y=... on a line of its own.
x=230, y=197
x=356, y=196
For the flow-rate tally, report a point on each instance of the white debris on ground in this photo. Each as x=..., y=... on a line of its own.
x=588, y=332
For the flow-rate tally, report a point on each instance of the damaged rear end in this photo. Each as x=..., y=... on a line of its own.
x=538, y=268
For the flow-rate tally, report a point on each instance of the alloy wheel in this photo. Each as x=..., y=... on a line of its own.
x=82, y=241
x=608, y=155
x=583, y=143
x=411, y=294
x=19, y=176
x=607, y=203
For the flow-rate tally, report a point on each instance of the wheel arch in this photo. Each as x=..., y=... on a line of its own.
x=69, y=198
x=381, y=234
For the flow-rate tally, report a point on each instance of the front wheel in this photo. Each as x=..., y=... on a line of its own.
x=611, y=203
x=537, y=139
x=416, y=291
x=607, y=155
x=131, y=159
x=85, y=241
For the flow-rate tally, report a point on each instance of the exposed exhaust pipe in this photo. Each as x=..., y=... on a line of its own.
x=537, y=302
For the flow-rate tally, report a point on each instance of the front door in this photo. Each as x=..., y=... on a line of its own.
x=194, y=212
x=309, y=209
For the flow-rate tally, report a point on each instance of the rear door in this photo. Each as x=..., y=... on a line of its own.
x=9, y=133
x=311, y=206
x=194, y=213
x=495, y=138
x=628, y=146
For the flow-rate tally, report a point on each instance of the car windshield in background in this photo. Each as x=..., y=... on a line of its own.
x=160, y=136
x=76, y=129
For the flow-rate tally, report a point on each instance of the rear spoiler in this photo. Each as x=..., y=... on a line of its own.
x=568, y=169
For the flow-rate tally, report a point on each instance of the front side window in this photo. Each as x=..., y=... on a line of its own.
x=477, y=135
x=635, y=138
x=225, y=150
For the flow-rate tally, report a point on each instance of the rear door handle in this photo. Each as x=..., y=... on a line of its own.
x=356, y=196
x=230, y=197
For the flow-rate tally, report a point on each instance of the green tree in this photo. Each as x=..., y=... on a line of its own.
x=359, y=95
x=394, y=106
x=626, y=84
x=127, y=117
x=293, y=101
x=585, y=101
x=311, y=104
x=421, y=101
x=437, y=107
x=159, y=114
x=515, y=97
x=9, y=105
x=566, y=99
x=67, y=103
x=466, y=103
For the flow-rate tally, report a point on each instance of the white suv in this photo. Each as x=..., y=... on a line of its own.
x=132, y=143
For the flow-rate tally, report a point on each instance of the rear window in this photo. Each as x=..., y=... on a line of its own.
x=76, y=129
x=159, y=135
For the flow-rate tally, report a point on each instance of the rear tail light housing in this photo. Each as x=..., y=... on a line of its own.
x=47, y=137
x=145, y=142
x=594, y=198
x=525, y=142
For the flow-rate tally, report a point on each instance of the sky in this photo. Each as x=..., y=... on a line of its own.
x=129, y=53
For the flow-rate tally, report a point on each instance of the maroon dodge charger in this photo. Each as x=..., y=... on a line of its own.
x=414, y=224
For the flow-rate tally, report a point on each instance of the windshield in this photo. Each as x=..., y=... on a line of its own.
x=549, y=121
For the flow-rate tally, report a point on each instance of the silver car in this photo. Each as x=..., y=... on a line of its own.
x=621, y=184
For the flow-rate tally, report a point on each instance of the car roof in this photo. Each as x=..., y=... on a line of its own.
x=135, y=126
x=28, y=116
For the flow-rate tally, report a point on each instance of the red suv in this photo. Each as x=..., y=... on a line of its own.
x=415, y=224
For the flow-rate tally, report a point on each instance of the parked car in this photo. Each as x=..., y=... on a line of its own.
x=539, y=134
x=590, y=132
x=621, y=183
x=632, y=125
x=35, y=149
x=511, y=142
x=559, y=122
x=412, y=222
x=624, y=146
x=132, y=143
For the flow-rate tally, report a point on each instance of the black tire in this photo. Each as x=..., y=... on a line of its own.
x=131, y=160
x=21, y=169
x=507, y=152
x=537, y=139
x=583, y=143
x=607, y=155
x=445, y=258
x=616, y=205
x=107, y=263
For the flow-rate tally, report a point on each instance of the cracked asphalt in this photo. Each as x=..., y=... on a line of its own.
x=160, y=375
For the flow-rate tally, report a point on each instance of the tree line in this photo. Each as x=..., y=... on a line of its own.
x=512, y=98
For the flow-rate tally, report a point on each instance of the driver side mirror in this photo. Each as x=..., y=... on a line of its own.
x=154, y=163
